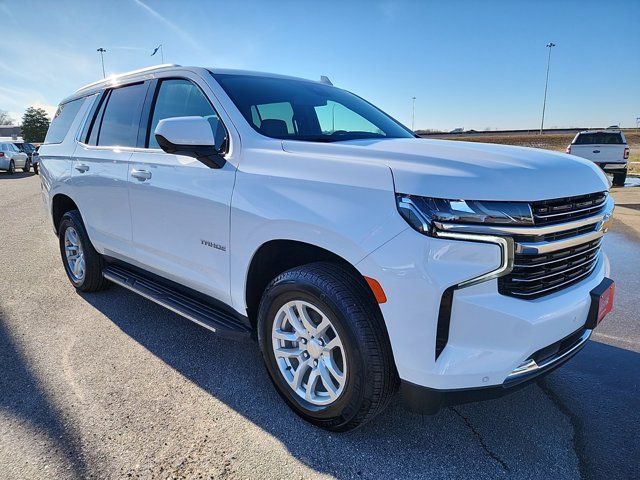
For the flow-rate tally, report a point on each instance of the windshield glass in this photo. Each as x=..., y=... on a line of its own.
x=304, y=110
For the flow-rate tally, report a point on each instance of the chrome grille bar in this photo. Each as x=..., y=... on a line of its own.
x=547, y=257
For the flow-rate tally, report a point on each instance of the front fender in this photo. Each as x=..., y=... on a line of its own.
x=346, y=208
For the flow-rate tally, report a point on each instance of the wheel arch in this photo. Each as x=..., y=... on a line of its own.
x=277, y=256
x=61, y=204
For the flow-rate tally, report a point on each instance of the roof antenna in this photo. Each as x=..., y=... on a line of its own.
x=324, y=79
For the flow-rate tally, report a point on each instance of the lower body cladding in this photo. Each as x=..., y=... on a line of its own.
x=456, y=344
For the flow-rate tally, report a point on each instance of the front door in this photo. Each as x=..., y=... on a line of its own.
x=180, y=208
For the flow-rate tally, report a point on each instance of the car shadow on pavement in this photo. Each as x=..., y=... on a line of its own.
x=529, y=431
x=16, y=175
x=24, y=398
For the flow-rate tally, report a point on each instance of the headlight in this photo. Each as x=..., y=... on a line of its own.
x=422, y=212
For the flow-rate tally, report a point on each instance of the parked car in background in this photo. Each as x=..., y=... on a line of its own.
x=35, y=160
x=12, y=158
x=29, y=149
x=363, y=259
x=606, y=148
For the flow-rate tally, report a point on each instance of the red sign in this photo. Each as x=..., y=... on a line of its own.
x=606, y=302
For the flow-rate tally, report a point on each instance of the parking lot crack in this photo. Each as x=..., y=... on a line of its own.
x=577, y=439
x=490, y=453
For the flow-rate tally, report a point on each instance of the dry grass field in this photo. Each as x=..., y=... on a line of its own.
x=549, y=141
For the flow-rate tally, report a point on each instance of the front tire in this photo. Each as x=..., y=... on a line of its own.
x=81, y=261
x=35, y=169
x=325, y=346
x=27, y=166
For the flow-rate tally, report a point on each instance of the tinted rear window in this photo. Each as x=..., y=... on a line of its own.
x=599, y=138
x=121, y=118
x=62, y=121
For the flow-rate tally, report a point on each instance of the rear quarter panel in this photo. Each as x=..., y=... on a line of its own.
x=56, y=160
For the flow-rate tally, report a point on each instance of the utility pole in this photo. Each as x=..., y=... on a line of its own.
x=102, y=52
x=413, y=114
x=549, y=45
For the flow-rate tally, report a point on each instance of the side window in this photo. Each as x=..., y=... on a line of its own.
x=182, y=98
x=121, y=117
x=335, y=117
x=62, y=121
x=281, y=112
x=97, y=120
x=95, y=100
x=3, y=146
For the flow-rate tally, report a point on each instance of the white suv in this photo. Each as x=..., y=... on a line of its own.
x=363, y=259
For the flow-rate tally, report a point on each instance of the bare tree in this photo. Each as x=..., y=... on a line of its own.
x=5, y=119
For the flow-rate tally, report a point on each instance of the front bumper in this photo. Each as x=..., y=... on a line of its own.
x=489, y=334
x=429, y=400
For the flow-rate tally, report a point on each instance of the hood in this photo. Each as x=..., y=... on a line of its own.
x=469, y=170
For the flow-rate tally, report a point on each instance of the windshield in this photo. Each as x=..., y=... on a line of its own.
x=304, y=110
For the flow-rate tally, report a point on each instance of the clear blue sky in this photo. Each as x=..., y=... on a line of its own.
x=472, y=64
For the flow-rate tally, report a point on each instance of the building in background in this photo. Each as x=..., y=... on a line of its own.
x=10, y=133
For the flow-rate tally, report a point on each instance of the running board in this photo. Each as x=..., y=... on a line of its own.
x=207, y=315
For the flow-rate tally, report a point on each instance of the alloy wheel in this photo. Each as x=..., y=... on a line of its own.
x=74, y=254
x=309, y=352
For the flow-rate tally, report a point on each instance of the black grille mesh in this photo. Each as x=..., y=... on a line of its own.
x=547, y=212
x=536, y=275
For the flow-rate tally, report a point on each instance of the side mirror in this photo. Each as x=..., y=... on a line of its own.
x=190, y=136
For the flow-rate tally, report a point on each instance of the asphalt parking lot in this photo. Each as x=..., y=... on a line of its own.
x=110, y=385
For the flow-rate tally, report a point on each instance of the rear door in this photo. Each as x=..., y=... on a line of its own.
x=19, y=158
x=101, y=167
x=599, y=147
x=180, y=208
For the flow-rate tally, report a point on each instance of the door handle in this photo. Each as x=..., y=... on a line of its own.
x=141, y=175
x=82, y=168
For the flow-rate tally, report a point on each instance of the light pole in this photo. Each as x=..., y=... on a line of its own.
x=102, y=52
x=549, y=45
x=413, y=113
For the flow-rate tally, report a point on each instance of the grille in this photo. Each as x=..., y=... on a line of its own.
x=536, y=275
x=547, y=212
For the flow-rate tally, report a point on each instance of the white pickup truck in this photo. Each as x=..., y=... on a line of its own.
x=363, y=259
x=606, y=148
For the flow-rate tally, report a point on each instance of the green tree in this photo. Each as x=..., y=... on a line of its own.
x=35, y=124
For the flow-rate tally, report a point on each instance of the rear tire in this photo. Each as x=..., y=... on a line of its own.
x=12, y=168
x=366, y=376
x=619, y=179
x=81, y=261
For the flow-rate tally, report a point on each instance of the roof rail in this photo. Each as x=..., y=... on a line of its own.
x=126, y=74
